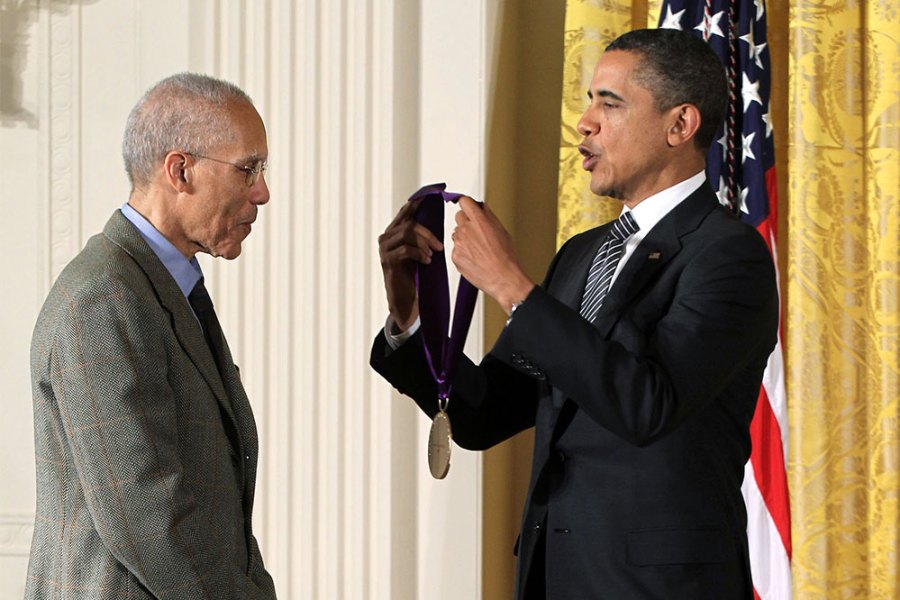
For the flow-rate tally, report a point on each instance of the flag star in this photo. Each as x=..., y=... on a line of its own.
x=750, y=92
x=723, y=141
x=722, y=192
x=760, y=8
x=767, y=119
x=744, y=193
x=672, y=20
x=710, y=25
x=754, y=50
x=747, y=151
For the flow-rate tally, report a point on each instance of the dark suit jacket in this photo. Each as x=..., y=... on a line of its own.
x=642, y=418
x=146, y=455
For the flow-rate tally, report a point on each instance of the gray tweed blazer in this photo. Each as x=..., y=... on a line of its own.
x=146, y=455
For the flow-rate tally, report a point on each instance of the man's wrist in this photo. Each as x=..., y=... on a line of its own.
x=512, y=311
x=397, y=336
x=515, y=295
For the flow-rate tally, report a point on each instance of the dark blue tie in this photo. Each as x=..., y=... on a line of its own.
x=212, y=331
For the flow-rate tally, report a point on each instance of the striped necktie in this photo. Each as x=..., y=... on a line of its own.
x=604, y=266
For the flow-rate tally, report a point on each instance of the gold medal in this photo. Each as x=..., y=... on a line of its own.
x=439, y=445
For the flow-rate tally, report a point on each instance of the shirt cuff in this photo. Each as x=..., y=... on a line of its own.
x=395, y=340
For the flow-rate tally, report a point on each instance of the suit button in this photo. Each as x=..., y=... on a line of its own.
x=561, y=456
x=537, y=526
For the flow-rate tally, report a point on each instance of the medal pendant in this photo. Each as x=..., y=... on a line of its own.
x=439, y=445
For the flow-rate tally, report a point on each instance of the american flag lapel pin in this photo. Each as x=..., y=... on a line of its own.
x=654, y=256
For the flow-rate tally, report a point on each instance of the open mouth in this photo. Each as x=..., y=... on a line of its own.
x=590, y=159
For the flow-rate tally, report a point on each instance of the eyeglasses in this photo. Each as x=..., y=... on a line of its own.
x=252, y=172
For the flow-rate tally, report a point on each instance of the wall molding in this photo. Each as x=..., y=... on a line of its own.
x=16, y=530
x=63, y=130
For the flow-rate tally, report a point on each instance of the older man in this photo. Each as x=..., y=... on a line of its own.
x=638, y=360
x=145, y=441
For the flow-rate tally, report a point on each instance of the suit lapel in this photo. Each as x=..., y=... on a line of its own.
x=568, y=287
x=122, y=233
x=654, y=252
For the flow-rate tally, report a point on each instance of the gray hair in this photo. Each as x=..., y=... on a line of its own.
x=186, y=111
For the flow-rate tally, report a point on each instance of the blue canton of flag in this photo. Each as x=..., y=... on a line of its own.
x=738, y=163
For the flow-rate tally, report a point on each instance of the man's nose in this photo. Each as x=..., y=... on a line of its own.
x=586, y=124
x=260, y=190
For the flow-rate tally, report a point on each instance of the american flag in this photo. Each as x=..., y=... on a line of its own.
x=741, y=167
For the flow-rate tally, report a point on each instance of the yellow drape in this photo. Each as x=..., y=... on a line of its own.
x=841, y=249
x=590, y=26
x=842, y=298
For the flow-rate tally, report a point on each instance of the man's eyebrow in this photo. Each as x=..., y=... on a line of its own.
x=606, y=94
x=255, y=157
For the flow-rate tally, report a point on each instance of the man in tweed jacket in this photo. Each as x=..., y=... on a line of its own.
x=145, y=442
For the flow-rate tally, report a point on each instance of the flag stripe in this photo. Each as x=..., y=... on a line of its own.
x=769, y=563
x=767, y=458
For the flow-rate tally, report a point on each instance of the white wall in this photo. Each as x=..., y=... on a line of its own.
x=364, y=101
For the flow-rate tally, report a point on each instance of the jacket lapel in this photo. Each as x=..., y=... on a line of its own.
x=569, y=287
x=655, y=251
x=122, y=233
x=659, y=247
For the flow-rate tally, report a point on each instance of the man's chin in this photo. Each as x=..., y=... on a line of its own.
x=605, y=190
x=228, y=253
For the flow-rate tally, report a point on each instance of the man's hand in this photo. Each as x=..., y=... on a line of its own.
x=483, y=253
x=404, y=243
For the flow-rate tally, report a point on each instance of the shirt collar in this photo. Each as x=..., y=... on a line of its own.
x=652, y=209
x=186, y=273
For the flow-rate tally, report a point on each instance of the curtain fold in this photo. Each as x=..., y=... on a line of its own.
x=842, y=298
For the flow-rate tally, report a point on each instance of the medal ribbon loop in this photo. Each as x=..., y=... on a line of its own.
x=433, y=289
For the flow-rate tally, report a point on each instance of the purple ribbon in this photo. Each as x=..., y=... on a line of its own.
x=442, y=353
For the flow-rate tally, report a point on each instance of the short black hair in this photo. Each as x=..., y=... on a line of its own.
x=677, y=68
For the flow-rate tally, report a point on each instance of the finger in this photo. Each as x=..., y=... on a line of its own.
x=469, y=207
x=409, y=232
x=416, y=243
x=424, y=235
x=406, y=211
x=404, y=254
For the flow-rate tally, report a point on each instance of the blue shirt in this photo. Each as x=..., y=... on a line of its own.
x=186, y=273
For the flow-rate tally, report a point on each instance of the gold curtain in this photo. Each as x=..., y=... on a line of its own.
x=836, y=106
x=590, y=26
x=842, y=317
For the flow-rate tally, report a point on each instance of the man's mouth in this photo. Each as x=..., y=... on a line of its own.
x=590, y=159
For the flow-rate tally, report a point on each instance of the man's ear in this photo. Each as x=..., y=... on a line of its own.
x=177, y=167
x=683, y=124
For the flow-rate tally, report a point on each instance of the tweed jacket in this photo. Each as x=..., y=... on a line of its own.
x=146, y=455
